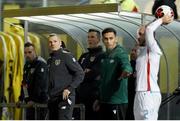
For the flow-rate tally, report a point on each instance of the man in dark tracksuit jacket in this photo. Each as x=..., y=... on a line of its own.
x=35, y=84
x=65, y=74
x=89, y=61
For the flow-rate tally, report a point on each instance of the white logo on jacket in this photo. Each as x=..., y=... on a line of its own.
x=57, y=62
x=111, y=61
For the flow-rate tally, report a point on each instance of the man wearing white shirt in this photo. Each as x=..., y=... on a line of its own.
x=148, y=96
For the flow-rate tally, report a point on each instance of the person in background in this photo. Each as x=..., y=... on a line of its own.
x=65, y=74
x=87, y=91
x=35, y=84
x=131, y=85
x=148, y=96
x=115, y=69
x=63, y=44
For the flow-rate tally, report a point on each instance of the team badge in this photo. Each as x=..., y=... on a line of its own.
x=92, y=58
x=74, y=60
x=114, y=111
x=82, y=60
x=102, y=60
x=111, y=61
x=57, y=62
x=42, y=69
x=32, y=70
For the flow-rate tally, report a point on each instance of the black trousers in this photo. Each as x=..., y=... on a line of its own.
x=113, y=111
x=61, y=109
x=90, y=114
x=40, y=114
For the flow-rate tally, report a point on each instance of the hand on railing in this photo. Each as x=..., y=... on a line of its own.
x=21, y=104
x=30, y=103
x=18, y=104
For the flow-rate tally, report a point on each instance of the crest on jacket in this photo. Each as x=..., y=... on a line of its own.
x=92, y=58
x=57, y=62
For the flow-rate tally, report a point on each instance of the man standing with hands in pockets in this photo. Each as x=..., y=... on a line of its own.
x=65, y=74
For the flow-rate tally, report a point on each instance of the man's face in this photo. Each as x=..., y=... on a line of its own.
x=54, y=43
x=93, y=39
x=141, y=36
x=133, y=54
x=29, y=53
x=109, y=40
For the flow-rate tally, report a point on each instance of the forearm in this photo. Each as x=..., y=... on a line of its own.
x=149, y=36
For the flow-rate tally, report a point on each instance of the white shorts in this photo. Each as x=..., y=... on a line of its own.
x=146, y=105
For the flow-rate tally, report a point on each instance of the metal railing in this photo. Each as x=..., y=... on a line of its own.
x=37, y=105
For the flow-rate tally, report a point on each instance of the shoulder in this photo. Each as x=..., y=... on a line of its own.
x=65, y=51
x=68, y=56
x=84, y=54
x=102, y=55
x=49, y=59
x=41, y=62
x=119, y=49
x=41, y=59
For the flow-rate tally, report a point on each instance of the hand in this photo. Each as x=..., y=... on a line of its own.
x=66, y=93
x=124, y=74
x=30, y=103
x=18, y=104
x=96, y=105
x=87, y=70
x=166, y=19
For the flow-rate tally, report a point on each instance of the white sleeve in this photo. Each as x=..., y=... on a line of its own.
x=149, y=36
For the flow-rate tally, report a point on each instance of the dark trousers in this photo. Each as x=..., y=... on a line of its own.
x=113, y=111
x=61, y=109
x=130, y=112
x=40, y=114
x=90, y=114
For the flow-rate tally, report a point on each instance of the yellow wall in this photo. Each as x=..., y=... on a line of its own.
x=7, y=26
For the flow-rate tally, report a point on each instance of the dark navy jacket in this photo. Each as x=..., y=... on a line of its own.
x=64, y=73
x=89, y=87
x=36, y=77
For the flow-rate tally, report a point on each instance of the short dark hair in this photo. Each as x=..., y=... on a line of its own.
x=170, y=3
x=107, y=30
x=97, y=31
x=28, y=44
x=52, y=35
x=63, y=45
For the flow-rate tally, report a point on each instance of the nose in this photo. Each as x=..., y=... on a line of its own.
x=108, y=40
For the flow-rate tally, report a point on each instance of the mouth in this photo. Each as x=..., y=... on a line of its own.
x=90, y=43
